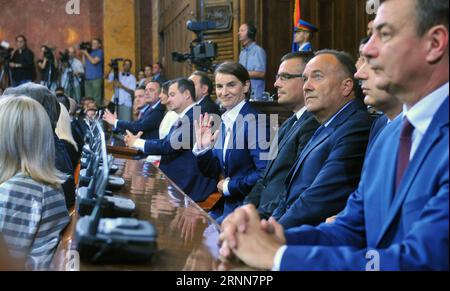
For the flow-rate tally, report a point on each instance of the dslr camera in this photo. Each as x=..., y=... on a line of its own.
x=64, y=57
x=5, y=51
x=114, y=64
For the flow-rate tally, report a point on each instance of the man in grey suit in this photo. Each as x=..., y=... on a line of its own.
x=293, y=135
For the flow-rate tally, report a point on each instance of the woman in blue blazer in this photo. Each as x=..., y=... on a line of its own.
x=237, y=151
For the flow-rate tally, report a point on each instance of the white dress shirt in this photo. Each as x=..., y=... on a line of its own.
x=128, y=81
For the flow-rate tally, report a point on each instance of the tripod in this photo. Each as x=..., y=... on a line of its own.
x=116, y=93
x=69, y=84
x=6, y=73
x=49, y=82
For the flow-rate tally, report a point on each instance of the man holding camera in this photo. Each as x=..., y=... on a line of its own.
x=22, y=63
x=124, y=87
x=72, y=72
x=93, y=59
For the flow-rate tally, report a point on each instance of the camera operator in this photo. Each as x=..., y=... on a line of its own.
x=124, y=87
x=47, y=66
x=93, y=59
x=72, y=73
x=22, y=63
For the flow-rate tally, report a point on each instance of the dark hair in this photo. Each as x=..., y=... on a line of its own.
x=251, y=31
x=364, y=41
x=160, y=65
x=23, y=37
x=304, y=56
x=128, y=60
x=165, y=87
x=347, y=64
x=140, y=88
x=430, y=13
x=205, y=80
x=99, y=40
x=42, y=95
x=183, y=85
x=87, y=98
x=237, y=70
x=64, y=100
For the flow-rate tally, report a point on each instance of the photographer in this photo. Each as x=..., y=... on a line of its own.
x=124, y=87
x=72, y=73
x=47, y=66
x=93, y=59
x=22, y=63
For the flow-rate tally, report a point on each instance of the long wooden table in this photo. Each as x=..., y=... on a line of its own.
x=187, y=236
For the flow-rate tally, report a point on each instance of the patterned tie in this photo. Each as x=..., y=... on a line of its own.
x=404, y=152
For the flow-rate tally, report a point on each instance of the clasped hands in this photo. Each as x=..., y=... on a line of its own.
x=253, y=241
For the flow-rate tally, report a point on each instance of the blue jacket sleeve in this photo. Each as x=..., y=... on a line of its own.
x=149, y=123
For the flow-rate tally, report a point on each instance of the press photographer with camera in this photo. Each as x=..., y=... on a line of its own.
x=124, y=86
x=47, y=66
x=73, y=71
x=93, y=59
x=22, y=63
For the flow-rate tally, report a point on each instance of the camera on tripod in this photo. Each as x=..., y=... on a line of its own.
x=114, y=64
x=64, y=57
x=86, y=46
x=202, y=53
x=5, y=51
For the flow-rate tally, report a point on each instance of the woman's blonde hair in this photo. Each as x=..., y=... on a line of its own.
x=63, y=128
x=27, y=142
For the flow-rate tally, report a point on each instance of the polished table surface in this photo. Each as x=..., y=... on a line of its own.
x=187, y=236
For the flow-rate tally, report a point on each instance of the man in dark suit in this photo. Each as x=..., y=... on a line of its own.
x=203, y=90
x=398, y=219
x=157, y=73
x=293, y=135
x=329, y=167
x=151, y=114
x=178, y=162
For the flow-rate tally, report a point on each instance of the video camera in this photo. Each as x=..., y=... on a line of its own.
x=64, y=57
x=86, y=45
x=5, y=51
x=202, y=53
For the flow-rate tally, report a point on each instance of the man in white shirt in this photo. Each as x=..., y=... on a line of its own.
x=124, y=90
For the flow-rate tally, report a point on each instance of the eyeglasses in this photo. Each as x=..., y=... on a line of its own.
x=286, y=76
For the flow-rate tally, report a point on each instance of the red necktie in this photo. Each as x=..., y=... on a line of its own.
x=404, y=152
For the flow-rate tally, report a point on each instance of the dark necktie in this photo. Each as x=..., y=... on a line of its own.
x=404, y=151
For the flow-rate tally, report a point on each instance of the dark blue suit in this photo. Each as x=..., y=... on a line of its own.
x=244, y=167
x=149, y=123
x=208, y=106
x=409, y=230
x=179, y=163
x=291, y=141
x=378, y=125
x=327, y=171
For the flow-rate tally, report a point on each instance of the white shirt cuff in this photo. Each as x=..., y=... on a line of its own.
x=139, y=144
x=278, y=258
x=115, y=124
x=226, y=192
x=198, y=152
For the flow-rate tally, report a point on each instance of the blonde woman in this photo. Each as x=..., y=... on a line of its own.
x=32, y=206
x=64, y=132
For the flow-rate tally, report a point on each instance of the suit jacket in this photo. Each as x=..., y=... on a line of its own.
x=160, y=79
x=208, y=106
x=291, y=141
x=179, y=163
x=406, y=231
x=378, y=125
x=327, y=171
x=64, y=165
x=244, y=167
x=148, y=123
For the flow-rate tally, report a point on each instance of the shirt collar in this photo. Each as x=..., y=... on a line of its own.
x=201, y=100
x=421, y=115
x=300, y=113
x=339, y=112
x=250, y=45
x=156, y=104
x=144, y=108
x=230, y=116
x=186, y=110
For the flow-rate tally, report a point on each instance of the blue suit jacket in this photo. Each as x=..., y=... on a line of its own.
x=408, y=230
x=244, y=167
x=179, y=163
x=327, y=170
x=149, y=123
